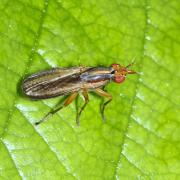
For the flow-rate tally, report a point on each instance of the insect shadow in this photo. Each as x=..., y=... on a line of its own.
x=19, y=89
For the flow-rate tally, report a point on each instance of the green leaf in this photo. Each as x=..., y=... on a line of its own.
x=140, y=138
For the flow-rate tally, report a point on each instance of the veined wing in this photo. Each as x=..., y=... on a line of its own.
x=54, y=82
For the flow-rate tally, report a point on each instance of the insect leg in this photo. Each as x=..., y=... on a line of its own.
x=103, y=94
x=86, y=98
x=129, y=65
x=66, y=103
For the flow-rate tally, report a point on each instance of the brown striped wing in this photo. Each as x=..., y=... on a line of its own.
x=54, y=82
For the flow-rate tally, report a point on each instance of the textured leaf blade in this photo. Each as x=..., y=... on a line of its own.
x=140, y=138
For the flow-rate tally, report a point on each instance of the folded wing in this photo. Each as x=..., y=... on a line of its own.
x=54, y=82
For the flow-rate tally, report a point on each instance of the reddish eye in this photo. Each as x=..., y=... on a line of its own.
x=119, y=79
x=115, y=65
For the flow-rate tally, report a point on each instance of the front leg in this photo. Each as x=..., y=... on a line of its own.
x=103, y=94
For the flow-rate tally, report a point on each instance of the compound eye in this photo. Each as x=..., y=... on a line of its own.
x=119, y=79
x=115, y=66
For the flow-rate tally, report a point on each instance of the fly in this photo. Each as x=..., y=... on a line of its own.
x=64, y=81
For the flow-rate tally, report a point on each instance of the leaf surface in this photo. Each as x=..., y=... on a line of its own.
x=140, y=138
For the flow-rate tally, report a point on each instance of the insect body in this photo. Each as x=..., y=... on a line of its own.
x=63, y=81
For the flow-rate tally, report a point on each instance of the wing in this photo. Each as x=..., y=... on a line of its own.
x=54, y=82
